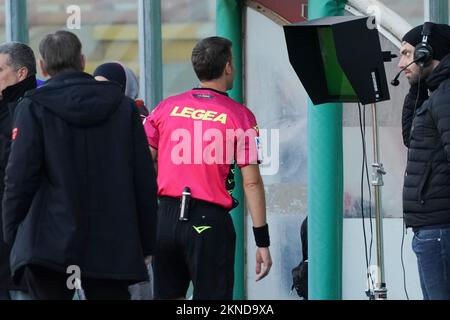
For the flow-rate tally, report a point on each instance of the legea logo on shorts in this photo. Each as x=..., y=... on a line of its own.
x=201, y=229
x=237, y=146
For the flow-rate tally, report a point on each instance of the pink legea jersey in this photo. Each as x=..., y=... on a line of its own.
x=199, y=136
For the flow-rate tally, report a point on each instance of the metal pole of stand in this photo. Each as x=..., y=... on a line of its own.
x=380, y=290
x=150, y=52
x=16, y=21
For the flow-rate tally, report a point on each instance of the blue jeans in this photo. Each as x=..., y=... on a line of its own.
x=13, y=295
x=4, y=295
x=19, y=296
x=432, y=248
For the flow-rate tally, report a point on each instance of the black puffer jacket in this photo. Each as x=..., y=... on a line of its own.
x=413, y=100
x=426, y=190
x=8, y=104
x=80, y=183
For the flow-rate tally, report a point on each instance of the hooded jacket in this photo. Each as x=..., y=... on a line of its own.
x=80, y=184
x=8, y=103
x=426, y=189
x=125, y=77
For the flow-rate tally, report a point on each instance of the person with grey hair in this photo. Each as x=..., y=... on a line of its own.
x=17, y=76
x=17, y=64
x=80, y=197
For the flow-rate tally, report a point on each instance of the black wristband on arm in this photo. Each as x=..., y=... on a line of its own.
x=262, y=238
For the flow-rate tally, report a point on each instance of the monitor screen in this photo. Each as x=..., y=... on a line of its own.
x=339, y=87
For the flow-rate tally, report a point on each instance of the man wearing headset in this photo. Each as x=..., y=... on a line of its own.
x=425, y=59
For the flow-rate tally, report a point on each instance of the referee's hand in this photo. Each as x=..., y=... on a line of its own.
x=263, y=263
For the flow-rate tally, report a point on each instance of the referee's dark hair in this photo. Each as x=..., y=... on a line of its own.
x=210, y=57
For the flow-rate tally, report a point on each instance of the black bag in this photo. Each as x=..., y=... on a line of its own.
x=300, y=279
x=300, y=272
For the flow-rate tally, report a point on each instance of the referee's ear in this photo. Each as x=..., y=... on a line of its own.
x=229, y=68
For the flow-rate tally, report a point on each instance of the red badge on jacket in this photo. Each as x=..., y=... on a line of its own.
x=15, y=132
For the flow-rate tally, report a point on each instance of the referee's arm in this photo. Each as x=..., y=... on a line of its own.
x=256, y=203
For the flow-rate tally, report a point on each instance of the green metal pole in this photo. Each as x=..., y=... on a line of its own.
x=16, y=21
x=325, y=184
x=150, y=52
x=439, y=11
x=229, y=25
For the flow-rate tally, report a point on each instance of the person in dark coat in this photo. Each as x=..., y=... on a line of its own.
x=426, y=132
x=125, y=77
x=17, y=76
x=80, y=197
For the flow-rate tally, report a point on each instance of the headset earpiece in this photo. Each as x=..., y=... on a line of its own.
x=423, y=52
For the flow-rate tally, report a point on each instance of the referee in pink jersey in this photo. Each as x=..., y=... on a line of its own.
x=197, y=138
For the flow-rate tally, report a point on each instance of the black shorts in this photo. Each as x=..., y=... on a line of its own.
x=200, y=250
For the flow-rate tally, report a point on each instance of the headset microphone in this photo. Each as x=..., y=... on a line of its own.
x=395, y=82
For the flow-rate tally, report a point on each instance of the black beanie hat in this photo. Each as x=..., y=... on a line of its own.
x=439, y=39
x=113, y=72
